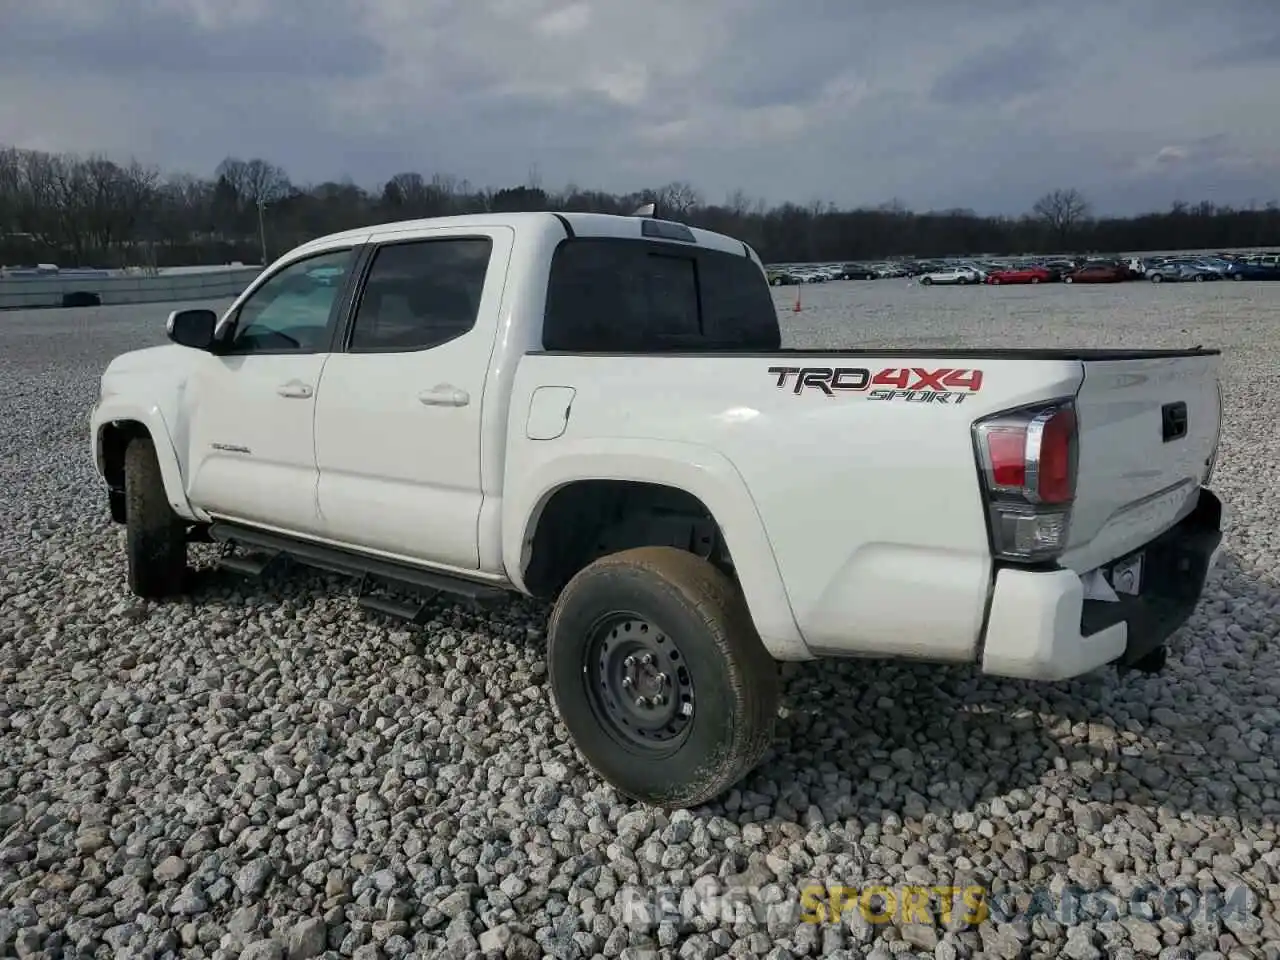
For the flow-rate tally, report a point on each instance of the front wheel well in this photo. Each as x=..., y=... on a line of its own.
x=114, y=441
x=588, y=519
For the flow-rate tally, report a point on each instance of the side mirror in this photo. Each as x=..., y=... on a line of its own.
x=192, y=328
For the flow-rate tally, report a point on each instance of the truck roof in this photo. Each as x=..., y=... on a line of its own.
x=575, y=224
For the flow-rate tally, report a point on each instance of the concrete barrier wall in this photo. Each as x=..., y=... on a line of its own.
x=30, y=292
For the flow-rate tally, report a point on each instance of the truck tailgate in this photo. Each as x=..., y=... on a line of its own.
x=1149, y=429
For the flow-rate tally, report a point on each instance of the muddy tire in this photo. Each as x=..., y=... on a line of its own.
x=660, y=676
x=155, y=537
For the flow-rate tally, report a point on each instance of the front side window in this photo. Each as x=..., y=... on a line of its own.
x=292, y=311
x=421, y=294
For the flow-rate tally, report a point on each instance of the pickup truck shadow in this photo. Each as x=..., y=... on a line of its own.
x=905, y=739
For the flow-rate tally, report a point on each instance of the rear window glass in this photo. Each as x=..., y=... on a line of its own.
x=614, y=295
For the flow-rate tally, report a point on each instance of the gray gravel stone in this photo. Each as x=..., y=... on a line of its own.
x=307, y=939
x=170, y=870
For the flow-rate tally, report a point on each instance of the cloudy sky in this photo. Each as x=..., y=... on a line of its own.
x=983, y=103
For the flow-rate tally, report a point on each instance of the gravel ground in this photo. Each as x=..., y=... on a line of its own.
x=272, y=773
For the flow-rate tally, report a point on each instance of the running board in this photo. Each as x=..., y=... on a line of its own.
x=397, y=609
x=350, y=563
x=251, y=566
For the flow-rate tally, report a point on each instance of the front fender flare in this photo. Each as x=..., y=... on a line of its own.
x=703, y=473
x=152, y=417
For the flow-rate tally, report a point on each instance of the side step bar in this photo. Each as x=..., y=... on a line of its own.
x=250, y=566
x=397, y=609
x=349, y=563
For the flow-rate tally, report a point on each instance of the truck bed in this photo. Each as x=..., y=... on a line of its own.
x=861, y=467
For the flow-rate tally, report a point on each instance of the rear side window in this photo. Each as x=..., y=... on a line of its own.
x=421, y=294
x=639, y=296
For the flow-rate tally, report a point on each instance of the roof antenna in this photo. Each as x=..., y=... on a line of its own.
x=646, y=210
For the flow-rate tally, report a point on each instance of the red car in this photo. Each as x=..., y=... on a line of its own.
x=1098, y=273
x=1021, y=275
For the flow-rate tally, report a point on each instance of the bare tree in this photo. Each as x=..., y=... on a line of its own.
x=183, y=211
x=10, y=189
x=1062, y=211
x=232, y=172
x=407, y=192
x=738, y=203
x=108, y=201
x=35, y=209
x=677, y=199
x=264, y=182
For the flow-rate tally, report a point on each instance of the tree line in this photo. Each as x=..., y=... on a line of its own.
x=94, y=211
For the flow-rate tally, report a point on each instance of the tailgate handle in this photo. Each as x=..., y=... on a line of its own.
x=1173, y=421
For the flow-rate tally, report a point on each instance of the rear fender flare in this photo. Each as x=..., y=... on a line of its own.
x=703, y=473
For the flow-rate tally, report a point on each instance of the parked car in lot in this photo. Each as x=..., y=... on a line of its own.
x=1219, y=265
x=1098, y=273
x=480, y=405
x=810, y=275
x=1060, y=268
x=1020, y=275
x=858, y=271
x=952, y=275
x=1176, y=271
x=781, y=276
x=1253, y=270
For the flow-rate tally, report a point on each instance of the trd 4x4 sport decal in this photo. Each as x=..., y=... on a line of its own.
x=913, y=384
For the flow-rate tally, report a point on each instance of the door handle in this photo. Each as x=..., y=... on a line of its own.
x=444, y=395
x=294, y=388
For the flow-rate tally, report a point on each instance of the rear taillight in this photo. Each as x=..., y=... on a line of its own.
x=1028, y=460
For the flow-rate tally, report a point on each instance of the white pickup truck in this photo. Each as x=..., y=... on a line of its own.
x=597, y=410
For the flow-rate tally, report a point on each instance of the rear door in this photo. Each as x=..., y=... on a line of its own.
x=1149, y=428
x=398, y=409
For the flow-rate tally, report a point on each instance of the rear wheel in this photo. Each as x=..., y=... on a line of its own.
x=927, y=281
x=1035, y=279
x=155, y=536
x=1068, y=279
x=1156, y=278
x=660, y=677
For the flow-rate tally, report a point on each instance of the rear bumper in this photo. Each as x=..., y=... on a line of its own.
x=1041, y=627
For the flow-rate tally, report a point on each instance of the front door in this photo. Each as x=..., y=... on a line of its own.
x=250, y=408
x=398, y=419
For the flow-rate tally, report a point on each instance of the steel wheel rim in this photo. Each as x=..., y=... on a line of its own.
x=638, y=684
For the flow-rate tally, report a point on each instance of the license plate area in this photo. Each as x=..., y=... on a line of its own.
x=1125, y=575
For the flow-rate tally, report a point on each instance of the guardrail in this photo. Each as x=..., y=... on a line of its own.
x=17, y=293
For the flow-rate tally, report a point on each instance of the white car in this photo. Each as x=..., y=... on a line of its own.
x=952, y=275
x=597, y=410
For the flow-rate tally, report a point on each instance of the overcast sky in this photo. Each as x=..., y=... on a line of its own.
x=980, y=103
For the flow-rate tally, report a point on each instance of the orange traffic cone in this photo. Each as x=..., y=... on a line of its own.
x=796, y=308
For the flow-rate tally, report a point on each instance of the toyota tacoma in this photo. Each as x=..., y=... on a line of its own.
x=599, y=411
